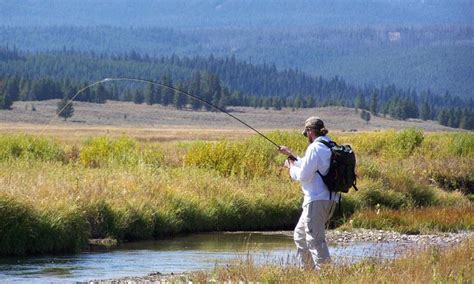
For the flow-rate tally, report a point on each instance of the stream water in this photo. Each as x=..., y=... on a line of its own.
x=180, y=254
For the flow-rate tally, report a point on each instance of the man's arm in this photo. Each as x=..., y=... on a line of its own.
x=306, y=168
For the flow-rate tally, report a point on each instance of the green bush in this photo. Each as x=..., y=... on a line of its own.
x=406, y=141
x=371, y=197
x=29, y=148
x=103, y=151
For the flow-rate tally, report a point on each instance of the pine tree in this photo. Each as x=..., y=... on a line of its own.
x=365, y=115
x=12, y=89
x=374, y=101
x=5, y=101
x=150, y=94
x=360, y=101
x=467, y=119
x=100, y=95
x=277, y=103
x=65, y=108
x=138, y=97
x=443, y=117
x=179, y=100
x=195, y=90
x=425, y=112
x=166, y=93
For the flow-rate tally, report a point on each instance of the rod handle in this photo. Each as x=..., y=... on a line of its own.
x=291, y=157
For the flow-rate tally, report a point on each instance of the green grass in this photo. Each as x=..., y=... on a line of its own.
x=53, y=197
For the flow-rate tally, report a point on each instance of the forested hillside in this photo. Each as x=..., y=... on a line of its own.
x=412, y=44
x=228, y=81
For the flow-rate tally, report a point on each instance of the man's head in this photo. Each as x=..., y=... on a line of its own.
x=313, y=128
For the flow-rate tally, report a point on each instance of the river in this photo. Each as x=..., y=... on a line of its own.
x=176, y=255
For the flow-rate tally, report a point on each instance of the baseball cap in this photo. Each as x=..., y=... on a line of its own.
x=313, y=122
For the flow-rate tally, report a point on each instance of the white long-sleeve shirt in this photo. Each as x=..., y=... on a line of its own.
x=317, y=157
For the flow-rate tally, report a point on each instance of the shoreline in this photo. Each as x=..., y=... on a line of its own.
x=339, y=237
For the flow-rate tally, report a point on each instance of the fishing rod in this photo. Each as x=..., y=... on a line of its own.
x=291, y=157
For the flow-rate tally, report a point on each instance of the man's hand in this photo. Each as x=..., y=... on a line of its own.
x=285, y=151
x=289, y=163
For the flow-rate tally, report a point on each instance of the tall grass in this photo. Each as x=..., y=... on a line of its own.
x=53, y=197
x=416, y=220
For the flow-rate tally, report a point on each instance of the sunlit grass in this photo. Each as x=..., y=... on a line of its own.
x=131, y=190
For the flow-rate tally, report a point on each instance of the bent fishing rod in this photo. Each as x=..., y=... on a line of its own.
x=291, y=157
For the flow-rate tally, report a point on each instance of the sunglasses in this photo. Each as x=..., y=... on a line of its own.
x=305, y=132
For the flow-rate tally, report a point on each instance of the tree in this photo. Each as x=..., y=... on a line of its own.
x=277, y=103
x=101, y=95
x=12, y=89
x=365, y=115
x=5, y=101
x=138, y=97
x=166, y=93
x=443, y=117
x=360, y=101
x=150, y=94
x=467, y=120
x=65, y=109
x=179, y=100
x=425, y=112
x=195, y=90
x=374, y=101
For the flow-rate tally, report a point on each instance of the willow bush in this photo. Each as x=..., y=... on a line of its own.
x=26, y=147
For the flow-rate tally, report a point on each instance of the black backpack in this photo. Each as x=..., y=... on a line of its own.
x=341, y=176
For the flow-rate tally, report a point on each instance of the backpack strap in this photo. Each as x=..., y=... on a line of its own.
x=326, y=143
x=329, y=145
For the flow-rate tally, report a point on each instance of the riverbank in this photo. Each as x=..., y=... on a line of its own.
x=409, y=246
x=55, y=196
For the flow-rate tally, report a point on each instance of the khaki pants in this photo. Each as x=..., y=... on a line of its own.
x=310, y=236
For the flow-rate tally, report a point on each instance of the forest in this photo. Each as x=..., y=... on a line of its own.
x=31, y=76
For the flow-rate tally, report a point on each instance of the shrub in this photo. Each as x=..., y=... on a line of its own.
x=29, y=148
x=243, y=159
x=406, y=141
x=103, y=151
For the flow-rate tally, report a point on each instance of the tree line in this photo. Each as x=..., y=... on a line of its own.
x=221, y=81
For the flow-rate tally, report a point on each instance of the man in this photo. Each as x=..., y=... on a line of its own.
x=318, y=203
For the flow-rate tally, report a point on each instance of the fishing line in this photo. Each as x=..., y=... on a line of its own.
x=170, y=88
x=58, y=113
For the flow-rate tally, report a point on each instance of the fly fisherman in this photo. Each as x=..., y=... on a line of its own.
x=318, y=203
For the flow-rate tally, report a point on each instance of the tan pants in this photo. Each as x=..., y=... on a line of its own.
x=310, y=236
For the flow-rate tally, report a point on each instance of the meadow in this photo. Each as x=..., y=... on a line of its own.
x=56, y=195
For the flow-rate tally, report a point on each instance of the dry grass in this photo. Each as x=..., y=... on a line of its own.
x=122, y=116
x=416, y=220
